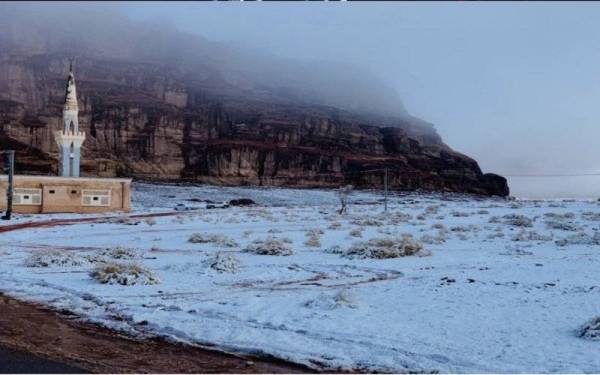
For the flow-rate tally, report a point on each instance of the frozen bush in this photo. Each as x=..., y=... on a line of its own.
x=399, y=217
x=483, y=212
x=55, y=258
x=356, y=232
x=120, y=252
x=434, y=240
x=382, y=248
x=459, y=214
x=460, y=228
x=314, y=232
x=270, y=246
x=561, y=225
x=491, y=236
x=334, y=225
x=591, y=216
x=432, y=210
x=150, y=221
x=217, y=239
x=518, y=220
x=124, y=274
x=367, y=222
x=531, y=235
x=494, y=220
x=580, y=238
x=554, y=215
x=438, y=226
x=313, y=241
x=224, y=263
x=591, y=330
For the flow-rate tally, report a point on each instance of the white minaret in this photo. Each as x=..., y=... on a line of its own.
x=69, y=139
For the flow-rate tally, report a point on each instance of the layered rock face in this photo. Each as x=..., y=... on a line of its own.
x=157, y=122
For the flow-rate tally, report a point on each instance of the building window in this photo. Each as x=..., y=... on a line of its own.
x=51, y=191
x=27, y=197
x=95, y=198
x=73, y=191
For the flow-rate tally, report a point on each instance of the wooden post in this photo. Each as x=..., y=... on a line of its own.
x=10, y=161
x=385, y=184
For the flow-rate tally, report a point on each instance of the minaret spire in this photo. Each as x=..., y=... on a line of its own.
x=69, y=139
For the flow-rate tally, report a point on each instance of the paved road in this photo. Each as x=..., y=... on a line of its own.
x=16, y=362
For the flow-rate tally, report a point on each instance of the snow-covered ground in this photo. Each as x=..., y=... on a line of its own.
x=500, y=286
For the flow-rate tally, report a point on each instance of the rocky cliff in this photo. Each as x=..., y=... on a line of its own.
x=147, y=121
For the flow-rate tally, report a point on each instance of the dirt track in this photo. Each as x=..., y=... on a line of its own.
x=58, y=337
x=55, y=222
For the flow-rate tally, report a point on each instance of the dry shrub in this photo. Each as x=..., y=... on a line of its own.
x=491, y=236
x=314, y=232
x=432, y=210
x=334, y=225
x=124, y=274
x=517, y=220
x=591, y=330
x=383, y=248
x=580, y=238
x=562, y=225
x=565, y=216
x=356, y=232
x=399, y=217
x=217, y=239
x=591, y=216
x=531, y=235
x=367, y=222
x=313, y=241
x=55, y=258
x=270, y=246
x=120, y=252
x=434, y=240
x=314, y=237
x=224, y=263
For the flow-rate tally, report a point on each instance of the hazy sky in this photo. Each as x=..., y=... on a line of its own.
x=514, y=85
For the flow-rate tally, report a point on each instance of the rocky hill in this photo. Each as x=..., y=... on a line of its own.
x=213, y=120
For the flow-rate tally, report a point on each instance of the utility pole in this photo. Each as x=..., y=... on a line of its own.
x=9, y=166
x=385, y=184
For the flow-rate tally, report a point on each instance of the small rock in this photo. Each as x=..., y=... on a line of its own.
x=242, y=202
